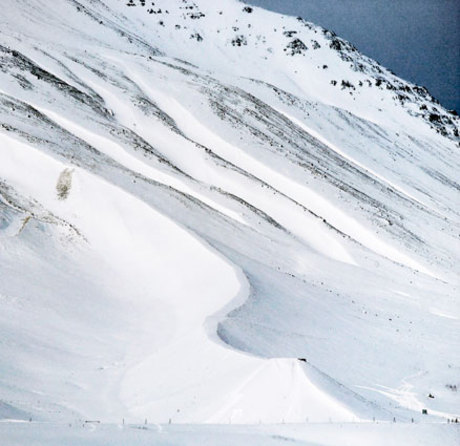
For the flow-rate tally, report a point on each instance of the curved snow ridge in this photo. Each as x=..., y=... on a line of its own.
x=166, y=269
x=239, y=402
x=297, y=399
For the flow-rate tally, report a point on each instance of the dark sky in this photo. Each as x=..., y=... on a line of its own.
x=417, y=39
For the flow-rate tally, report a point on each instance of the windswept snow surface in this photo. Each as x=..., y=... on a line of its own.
x=216, y=215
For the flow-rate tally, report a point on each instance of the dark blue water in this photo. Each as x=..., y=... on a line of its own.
x=417, y=39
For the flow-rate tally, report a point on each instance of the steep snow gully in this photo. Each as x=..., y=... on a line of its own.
x=211, y=213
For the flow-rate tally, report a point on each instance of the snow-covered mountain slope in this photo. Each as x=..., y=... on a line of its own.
x=213, y=213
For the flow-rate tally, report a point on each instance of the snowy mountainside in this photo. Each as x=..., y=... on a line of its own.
x=212, y=213
x=249, y=37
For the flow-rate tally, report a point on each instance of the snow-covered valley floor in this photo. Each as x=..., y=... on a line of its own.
x=319, y=434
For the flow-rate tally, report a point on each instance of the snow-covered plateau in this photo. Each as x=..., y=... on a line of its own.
x=220, y=225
